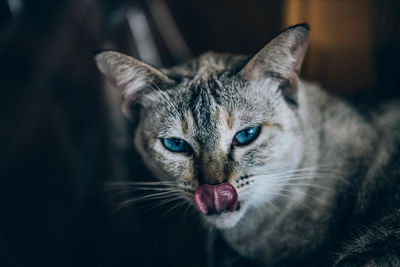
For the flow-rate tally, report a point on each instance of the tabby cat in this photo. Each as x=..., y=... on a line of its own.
x=287, y=174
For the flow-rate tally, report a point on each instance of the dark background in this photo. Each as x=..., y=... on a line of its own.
x=61, y=138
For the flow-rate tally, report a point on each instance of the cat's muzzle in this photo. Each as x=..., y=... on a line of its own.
x=215, y=199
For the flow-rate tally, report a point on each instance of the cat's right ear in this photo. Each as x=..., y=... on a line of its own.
x=281, y=59
x=129, y=75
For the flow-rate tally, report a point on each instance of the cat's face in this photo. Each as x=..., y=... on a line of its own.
x=212, y=124
x=220, y=127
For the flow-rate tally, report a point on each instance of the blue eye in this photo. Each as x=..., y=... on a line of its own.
x=246, y=136
x=176, y=145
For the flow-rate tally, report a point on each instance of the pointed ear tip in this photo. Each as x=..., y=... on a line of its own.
x=302, y=30
x=98, y=54
x=302, y=26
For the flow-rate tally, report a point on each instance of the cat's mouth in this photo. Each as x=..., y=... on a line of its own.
x=219, y=203
x=215, y=199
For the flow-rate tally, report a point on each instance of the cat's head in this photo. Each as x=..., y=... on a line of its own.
x=221, y=126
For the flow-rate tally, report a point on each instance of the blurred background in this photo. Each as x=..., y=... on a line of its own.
x=62, y=137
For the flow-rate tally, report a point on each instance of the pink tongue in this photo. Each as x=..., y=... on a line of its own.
x=217, y=198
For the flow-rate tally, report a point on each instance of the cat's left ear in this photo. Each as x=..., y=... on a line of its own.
x=281, y=59
x=131, y=76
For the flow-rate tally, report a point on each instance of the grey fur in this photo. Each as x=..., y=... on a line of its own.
x=305, y=185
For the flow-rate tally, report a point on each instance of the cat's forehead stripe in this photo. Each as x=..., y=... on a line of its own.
x=206, y=97
x=184, y=126
x=204, y=113
x=229, y=120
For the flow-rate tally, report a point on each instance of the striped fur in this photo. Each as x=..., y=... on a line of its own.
x=305, y=185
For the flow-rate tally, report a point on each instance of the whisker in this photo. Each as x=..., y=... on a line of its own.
x=147, y=198
x=291, y=198
x=305, y=185
x=179, y=204
x=272, y=178
x=125, y=187
x=120, y=192
x=143, y=188
x=294, y=172
x=272, y=205
x=162, y=94
x=307, y=195
x=130, y=183
x=152, y=205
x=313, y=169
x=166, y=201
x=187, y=208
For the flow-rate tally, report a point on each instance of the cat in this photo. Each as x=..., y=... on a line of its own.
x=287, y=174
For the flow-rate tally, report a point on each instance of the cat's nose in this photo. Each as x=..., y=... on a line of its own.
x=216, y=198
x=216, y=181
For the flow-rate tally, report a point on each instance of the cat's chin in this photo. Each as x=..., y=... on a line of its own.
x=226, y=219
